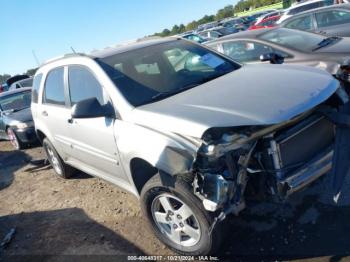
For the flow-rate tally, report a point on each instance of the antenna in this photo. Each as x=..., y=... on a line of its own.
x=73, y=50
x=35, y=57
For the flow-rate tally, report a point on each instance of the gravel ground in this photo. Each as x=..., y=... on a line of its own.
x=87, y=216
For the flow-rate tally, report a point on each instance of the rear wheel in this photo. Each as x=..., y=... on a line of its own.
x=178, y=217
x=15, y=142
x=61, y=169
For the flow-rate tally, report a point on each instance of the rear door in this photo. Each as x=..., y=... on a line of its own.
x=333, y=22
x=94, y=147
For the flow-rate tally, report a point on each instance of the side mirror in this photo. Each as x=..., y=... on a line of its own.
x=91, y=108
x=272, y=57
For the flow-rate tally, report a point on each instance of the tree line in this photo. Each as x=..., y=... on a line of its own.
x=29, y=72
x=227, y=11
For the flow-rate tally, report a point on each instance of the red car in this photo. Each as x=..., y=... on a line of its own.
x=268, y=22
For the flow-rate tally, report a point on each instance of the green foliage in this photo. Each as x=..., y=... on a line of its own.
x=31, y=72
x=227, y=11
x=4, y=77
x=242, y=6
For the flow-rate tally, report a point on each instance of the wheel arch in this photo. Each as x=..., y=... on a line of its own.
x=40, y=134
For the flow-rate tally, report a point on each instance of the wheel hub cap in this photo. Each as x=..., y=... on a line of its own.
x=176, y=220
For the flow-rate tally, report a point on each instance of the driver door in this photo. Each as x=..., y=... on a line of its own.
x=93, y=146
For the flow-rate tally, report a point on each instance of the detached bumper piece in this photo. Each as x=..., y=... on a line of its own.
x=341, y=158
x=305, y=175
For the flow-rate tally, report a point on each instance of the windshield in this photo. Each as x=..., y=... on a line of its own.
x=152, y=73
x=17, y=101
x=293, y=39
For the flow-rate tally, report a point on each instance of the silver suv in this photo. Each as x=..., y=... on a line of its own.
x=193, y=134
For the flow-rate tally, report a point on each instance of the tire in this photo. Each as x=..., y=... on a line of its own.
x=61, y=169
x=15, y=142
x=189, y=236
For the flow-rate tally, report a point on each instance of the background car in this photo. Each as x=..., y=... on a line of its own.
x=16, y=122
x=265, y=23
x=16, y=78
x=330, y=20
x=304, y=6
x=207, y=26
x=3, y=87
x=28, y=82
x=194, y=37
x=268, y=15
x=238, y=23
x=291, y=46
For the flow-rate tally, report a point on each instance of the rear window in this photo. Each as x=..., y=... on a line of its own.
x=36, y=86
x=27, y=83
x=54, y=87
x=301, y=23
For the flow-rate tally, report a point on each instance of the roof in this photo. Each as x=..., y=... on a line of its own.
x=304, y=3
x=109, y=51
x=130, y=46
x=329, y=7
x=15, y=91
x=338, y=6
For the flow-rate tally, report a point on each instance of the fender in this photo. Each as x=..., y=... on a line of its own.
x=168, y=152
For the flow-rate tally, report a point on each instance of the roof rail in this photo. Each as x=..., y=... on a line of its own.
x=61, y=57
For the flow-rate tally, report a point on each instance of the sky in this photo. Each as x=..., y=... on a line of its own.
x=51, y=28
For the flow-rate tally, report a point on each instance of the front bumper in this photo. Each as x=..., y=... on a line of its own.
x=306, y=174
x=26, y=135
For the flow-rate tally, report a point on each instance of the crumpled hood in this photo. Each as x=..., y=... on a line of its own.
x=22, y=116
x=252, y=95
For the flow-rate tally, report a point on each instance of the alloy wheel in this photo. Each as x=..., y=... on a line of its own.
x=53, y=159
x=176, y=220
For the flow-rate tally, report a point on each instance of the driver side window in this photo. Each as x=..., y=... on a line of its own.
x=83, y=85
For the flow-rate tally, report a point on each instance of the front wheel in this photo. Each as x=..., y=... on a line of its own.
x=177, y=217
x=61, y=169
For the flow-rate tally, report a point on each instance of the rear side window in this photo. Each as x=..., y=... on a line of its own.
x=54, y=87
x=36, y=86
x=332, y=18
x=83, y=85
x=301, y=23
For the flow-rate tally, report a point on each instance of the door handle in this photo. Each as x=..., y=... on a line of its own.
x=44, y=113
x=70, y=120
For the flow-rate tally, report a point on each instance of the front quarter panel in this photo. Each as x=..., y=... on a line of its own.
x=167, y=152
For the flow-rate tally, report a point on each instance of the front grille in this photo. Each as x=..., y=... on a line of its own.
x=304, y=141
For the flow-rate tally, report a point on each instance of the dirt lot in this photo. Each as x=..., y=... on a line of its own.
x=85, y=216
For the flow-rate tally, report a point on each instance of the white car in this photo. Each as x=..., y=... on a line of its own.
x=188, y=131
x=304, y=6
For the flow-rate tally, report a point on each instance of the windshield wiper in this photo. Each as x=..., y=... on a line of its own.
x=327, y=41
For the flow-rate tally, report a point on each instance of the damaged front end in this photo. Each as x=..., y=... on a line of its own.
x=273, y=161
